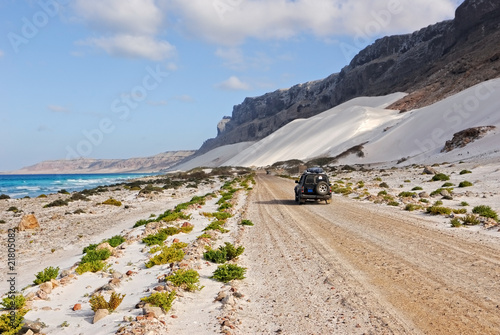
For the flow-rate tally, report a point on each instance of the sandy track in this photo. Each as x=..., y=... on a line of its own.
x=359, y=268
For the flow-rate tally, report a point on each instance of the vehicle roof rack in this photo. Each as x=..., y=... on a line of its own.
x=315, y=170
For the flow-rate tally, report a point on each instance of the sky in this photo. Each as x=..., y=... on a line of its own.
x=134, y=78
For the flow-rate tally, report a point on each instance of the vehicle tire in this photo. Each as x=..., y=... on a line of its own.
x=296, y=198
x=302, y=201
x=328, y=201
x=322, y=188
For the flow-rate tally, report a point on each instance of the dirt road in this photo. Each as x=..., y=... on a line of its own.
x=359, y=268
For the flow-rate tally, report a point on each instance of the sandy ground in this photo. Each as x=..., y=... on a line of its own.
x=357, y=266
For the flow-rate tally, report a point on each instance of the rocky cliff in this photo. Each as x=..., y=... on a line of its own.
x=430, y=64
x=155, y=163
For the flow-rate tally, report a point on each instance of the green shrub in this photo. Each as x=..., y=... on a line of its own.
x=438, y=203
x=89, y=248
x=218, y=215
x=12, y=325
x=465, y=184
x=455, y=222
x=439, y=190
x=92, y=266
x=2, y=221
x=57, y=203
x=17, y=302
x=246, y=223
x=435, y=210
x=13, y=209
x=406, y=194
x=440, y=177
x=4, y=196
x=46, y=275
x=425, y=201
x=116, y=240
x=417, y=188
x=464, y=203
x=95, y=255
x=384, y=185
x=223, y=253
x=381, y=193
x=168, y=255
x=227, y=272
x=224, y=206
x=204, y=235
x=185, y=279
x=393, y=203
x=470, y=220
x=412, y=207
x=485, y=211
x=465, y=171
x=161, y=236
x=460, y=211
x=97, y=301
x=79, y=197
x=186, y=229
x=448, y=184
x=161, y=299
x=216, y=225
x=112, y=202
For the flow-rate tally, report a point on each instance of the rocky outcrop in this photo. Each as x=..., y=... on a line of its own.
x=464, y=137
x=28, y=221
x=430, y=64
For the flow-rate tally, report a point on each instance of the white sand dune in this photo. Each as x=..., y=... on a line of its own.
x=388, y=136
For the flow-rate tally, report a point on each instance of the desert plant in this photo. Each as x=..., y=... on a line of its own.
x=167, y=255
x=447, y=184
x=89, y=248
x=13, y=303
x=406, y=194
x=185, y=279
x=204, y=235
x=381, y=193
x=92, y=266
x=116, y=240
x=4, y=196
x=224, y=253
x=46, y=275
x=460, y=210
x=12, y=324
x=217, y=215
x=464, y=203
x=95, y=255
x=161, y=236
x=112, y=202
x=246, y=223
x=425, y=201
x=161, y=299
x=470, y=220
x=227, y=272
x=465, y=171
x=465, y=183
x=384, y=185
x=485, y=211
x=97, y=301
x=216, y=225
x=435, y=210
x=417, y=188
x=439, y=190
x=455, y=222
x=412, y=207
x=438, y=203
x=57, y=203
x=440, y=177
x=393, y=203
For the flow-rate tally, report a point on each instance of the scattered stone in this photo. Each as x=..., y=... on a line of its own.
x=424, y=195
x=117, y=275
x=174, y=316
x=187, y=224
x=28, y=221
x=430, y=170
x=42, y=294
x=55, y=283
x=46, y=287
x=34, y=326
x=29, y=332
x=77, y=307
x=105, y=245
x=221, y=296
x=129, y=272
x=153, y=310
x=176, y=240
x=100, y=314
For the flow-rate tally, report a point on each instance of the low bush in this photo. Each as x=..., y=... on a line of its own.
x=112, y=202
x=440, y=177
x=425, y=201
x=168, y=255
x=439, y=190
x=438, y=210
x=97, y=301
x=438, y=203
x=12, y=325
x=412, y=207
x=89, y=248
x=384, y=185
x=218, y=215
x=161, y=236
x=381, y=193
x=465, y=171
x=186, y=279
x=79, y=197
x=17, y=302
x=246, y=223
x=116, y=241
x=465, y=184
x=92, y=266
x=161, y=299
x=406, y=194
x=227, y=272
x=57, y=203
x=393, y=203
x=13, y=209
x=460, y=211
x=4, y=196
x=216, y=225
x=464, y=203
x=455, y=222
x=223, y=254
x=448, y=184
x=46, y=275
x=95, y=255
x=417, y=188
x=470, y=220
x=485, y=211
x=186, y=229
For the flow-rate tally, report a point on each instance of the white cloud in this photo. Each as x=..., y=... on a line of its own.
x=184, y=98
x=130, y=16
x=230, y=22
x=58, y=109
x=233, y=83
x=1, y=53
x=133, y=46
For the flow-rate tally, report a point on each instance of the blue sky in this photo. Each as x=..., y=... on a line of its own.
x=133, y=78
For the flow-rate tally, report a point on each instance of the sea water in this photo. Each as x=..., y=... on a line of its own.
x=19, y=186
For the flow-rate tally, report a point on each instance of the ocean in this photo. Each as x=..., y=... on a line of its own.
x=19, y=186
